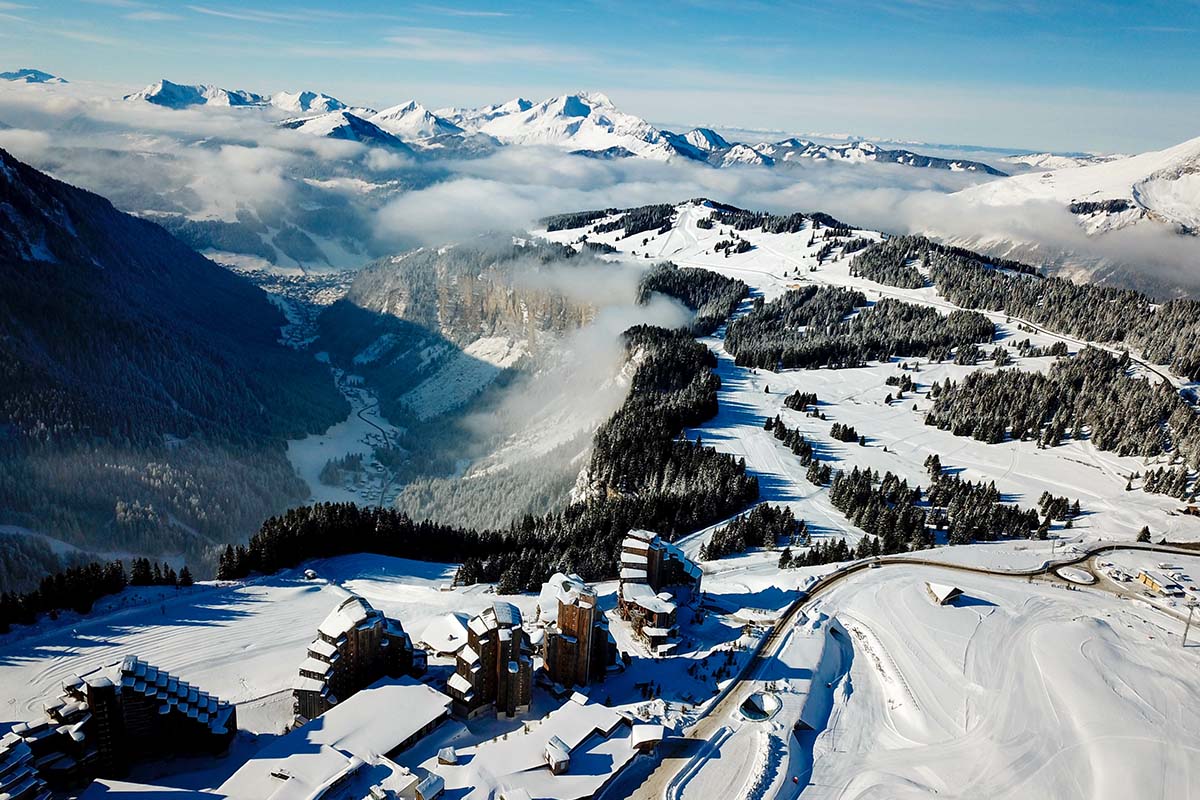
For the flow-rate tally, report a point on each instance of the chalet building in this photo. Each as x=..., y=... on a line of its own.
x=356, y=645
x=110, y=718
x=1160, y=583
x=494, y=669
x=578, y=649
x=648, y=566
x=19, y=780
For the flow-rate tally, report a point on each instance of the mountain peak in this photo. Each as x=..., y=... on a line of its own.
x=306, y=101
x=178, y=95
x=29, y=75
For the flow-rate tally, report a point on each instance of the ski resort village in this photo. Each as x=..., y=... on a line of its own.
x=935, y=533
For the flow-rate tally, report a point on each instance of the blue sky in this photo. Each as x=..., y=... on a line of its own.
x=1037, y=74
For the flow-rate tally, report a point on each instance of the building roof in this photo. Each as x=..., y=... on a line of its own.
x=645, y=734
x=507, y=614
x=943, y=593
x=350, y=613
x=363, y=729
x=561, y=588
x=644, y=596
x=446, y=634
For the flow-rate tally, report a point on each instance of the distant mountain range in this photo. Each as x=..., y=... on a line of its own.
x=586, y=124
x=30, y=76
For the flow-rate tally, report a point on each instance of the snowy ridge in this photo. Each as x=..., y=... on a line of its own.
x=412, y=120
x=583, y=123
x=347, y=127
x=27, y=75
x=176, y=95
x=1162, y=185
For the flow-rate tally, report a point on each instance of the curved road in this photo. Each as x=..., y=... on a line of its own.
x=677, y=754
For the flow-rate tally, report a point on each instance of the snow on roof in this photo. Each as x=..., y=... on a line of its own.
x=108, y=789
x=1162, y=580
x=633, y=574
x=942, y=592
x=447, y=633
x=458, y=683
x=645, y=597
x=690, y=567
x=431, y=786
x=360, y=730
x=322, y=648
x=351, y=612
x=506, y=614
x=520, y=759
x=316, y=665
x=303, y=684
x=561, y=588
x=645, y=734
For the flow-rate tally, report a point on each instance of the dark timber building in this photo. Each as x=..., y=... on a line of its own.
x=578, y=646
x=110, y=718
x=495, y=668
x=356, y=645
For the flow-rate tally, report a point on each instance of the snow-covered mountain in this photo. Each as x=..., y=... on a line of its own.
x=1161, y=186
x=584, y=123
x=177, y=95
x=587, y=121
x=1050, y=161
x=26, y=75
x=347, y=127
x=860, y=152
x=412, y=120
x=306, y=102
x=705, y=140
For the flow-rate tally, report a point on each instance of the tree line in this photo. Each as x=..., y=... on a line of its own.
x=807, y=328
x=1167, y=333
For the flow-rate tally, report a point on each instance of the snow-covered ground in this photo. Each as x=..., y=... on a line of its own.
x=359, y=433
x=897, y=438
x=1020, y=687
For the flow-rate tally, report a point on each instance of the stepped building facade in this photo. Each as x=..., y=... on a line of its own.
x=578, y=646
x=648, y=566
x=19, y=780
x=495, y=668
x=355, y=646
x=110, y=718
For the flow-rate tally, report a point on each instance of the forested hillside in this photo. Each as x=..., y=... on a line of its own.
x=1165, y=334
x=144, y=395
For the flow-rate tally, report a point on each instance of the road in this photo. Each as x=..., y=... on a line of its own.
x=677, y=753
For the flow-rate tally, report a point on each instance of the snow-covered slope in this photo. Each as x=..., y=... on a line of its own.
x=707, y=140
x=1049, y=161
x=177, y=95
x=412, y=120
x=26, y=75
x=347, y=127
x=1163, y=186
x=306, y=102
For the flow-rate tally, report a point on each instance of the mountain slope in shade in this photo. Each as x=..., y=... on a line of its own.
x=347, y=127
x=412, y=120
x=135, y=370
x=30, y=76
x=177, y=95
x=1162, y=186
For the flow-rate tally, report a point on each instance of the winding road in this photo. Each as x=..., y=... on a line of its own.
x=679, y=754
